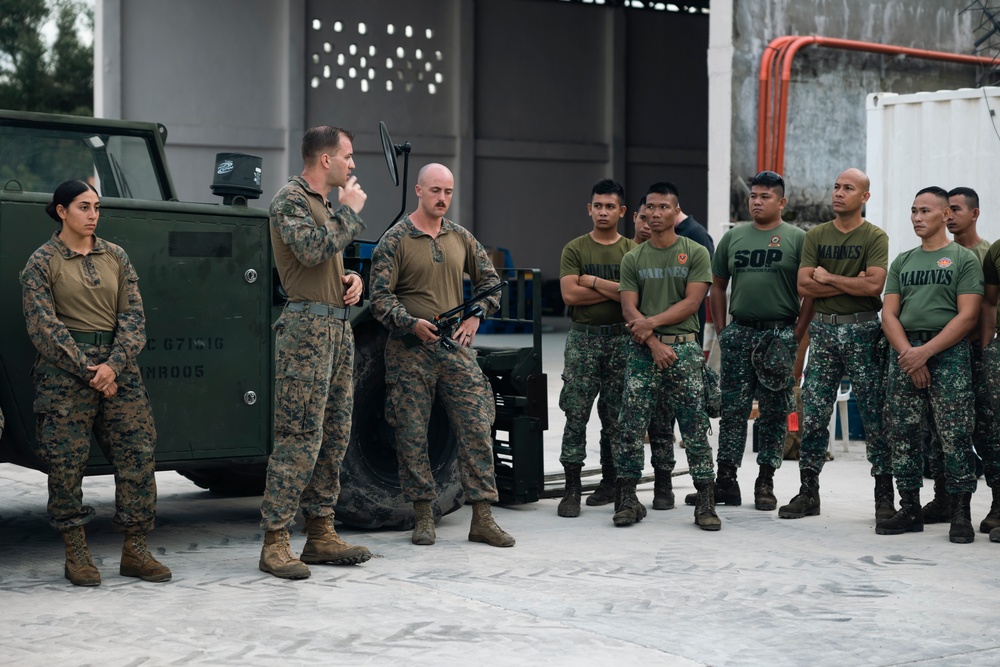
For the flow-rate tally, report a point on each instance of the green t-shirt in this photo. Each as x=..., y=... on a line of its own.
x=661, y=277
x=846, y=255
x=929, y=282
x=991, y=269
x=585, y=255
x=763, y=267
x=980, y=250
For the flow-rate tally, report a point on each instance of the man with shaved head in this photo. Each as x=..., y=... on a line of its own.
x=843, y=269
x=416, y=274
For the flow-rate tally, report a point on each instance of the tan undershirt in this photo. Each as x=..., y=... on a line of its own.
x=428, y=277
x=88, y=291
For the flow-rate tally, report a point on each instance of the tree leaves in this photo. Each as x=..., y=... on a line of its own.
x=33, y=78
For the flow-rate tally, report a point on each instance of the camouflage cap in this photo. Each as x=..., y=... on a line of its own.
x=773, y=363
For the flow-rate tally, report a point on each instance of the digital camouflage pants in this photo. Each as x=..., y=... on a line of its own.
x=313, y=404
x=67, y=411
x=949, y=401
x=985, y=434
x=413, y=376
x=836, y=350
x=679, y=388
x=594, y=366
x=986, y=380
x=661, y=437
x=740, y=384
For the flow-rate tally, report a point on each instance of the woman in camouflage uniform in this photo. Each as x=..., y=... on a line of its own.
x=84, y=315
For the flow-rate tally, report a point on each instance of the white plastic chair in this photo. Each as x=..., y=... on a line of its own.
x=843, y=395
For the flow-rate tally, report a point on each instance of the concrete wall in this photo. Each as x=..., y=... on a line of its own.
x=221, y=76
x=826, y=111
x=533, y=100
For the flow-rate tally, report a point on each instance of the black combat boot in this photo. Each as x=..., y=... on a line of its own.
x=884, y=498
x=992, y=520
x=961, y=531
x=569, y=506
x=938, y=510
x=663, y=490
x=704, y=510
x=909, y=518
x=605, y=491
x=628, y=508
x=727, y=489
x=806, y=502
x=763, y=490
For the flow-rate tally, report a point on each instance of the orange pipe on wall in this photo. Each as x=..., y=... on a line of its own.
x=792, y=47
x=772, y=54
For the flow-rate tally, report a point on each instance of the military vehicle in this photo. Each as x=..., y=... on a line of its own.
x=211, y=292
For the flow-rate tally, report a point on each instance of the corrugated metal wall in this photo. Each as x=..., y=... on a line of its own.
x=945, y=138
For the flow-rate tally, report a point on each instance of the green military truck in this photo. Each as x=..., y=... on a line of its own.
x=210, y=293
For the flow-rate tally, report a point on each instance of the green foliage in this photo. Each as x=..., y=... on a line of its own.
x=32, y=78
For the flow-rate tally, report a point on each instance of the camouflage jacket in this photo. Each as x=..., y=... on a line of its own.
x=387, y=279
x=51, y=337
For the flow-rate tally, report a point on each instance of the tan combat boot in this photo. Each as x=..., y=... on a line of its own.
x=276, y=557
x=485, y=529
x=423, y=532
x=80, y=569
x=138, y=562
x=323, y=545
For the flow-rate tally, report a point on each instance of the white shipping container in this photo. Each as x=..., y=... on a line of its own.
x=947, y=138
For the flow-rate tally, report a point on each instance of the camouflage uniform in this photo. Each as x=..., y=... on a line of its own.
x=929, y=284
x=661, y=436
x=835, y=350
x=985, y=434
x=984, y=381
x=594, y=365
x=313, y=359
x=313, y=404
x=950, y=388
x=67, y=410
x=740, y=384
x=416, y=372
x=678, y=388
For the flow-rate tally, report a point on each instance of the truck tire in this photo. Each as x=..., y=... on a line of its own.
x=235, y=480
x=370, y=492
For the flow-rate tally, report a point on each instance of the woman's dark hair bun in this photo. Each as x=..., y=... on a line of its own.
x=64, y=196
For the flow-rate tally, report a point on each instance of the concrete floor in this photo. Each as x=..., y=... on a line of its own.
x=763, y=591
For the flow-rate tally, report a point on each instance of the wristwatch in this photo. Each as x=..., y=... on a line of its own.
x=476, y=311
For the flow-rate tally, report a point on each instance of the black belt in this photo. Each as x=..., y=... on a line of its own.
x=672, y=339
x=319, y=309
x=922, y=336
x=600, y=329
x=93, y=337
x=853, y=318
x=765, y=324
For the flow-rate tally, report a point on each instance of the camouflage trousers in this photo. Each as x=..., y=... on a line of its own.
x=678, y=388
x=313, y=405
x=67, y=411
x=949, y=401
x=661, y=436
x=985, y=434
x=740, y=384
x=836, y=350
x=986, y=380
x=594, y=366
x=413, y=377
